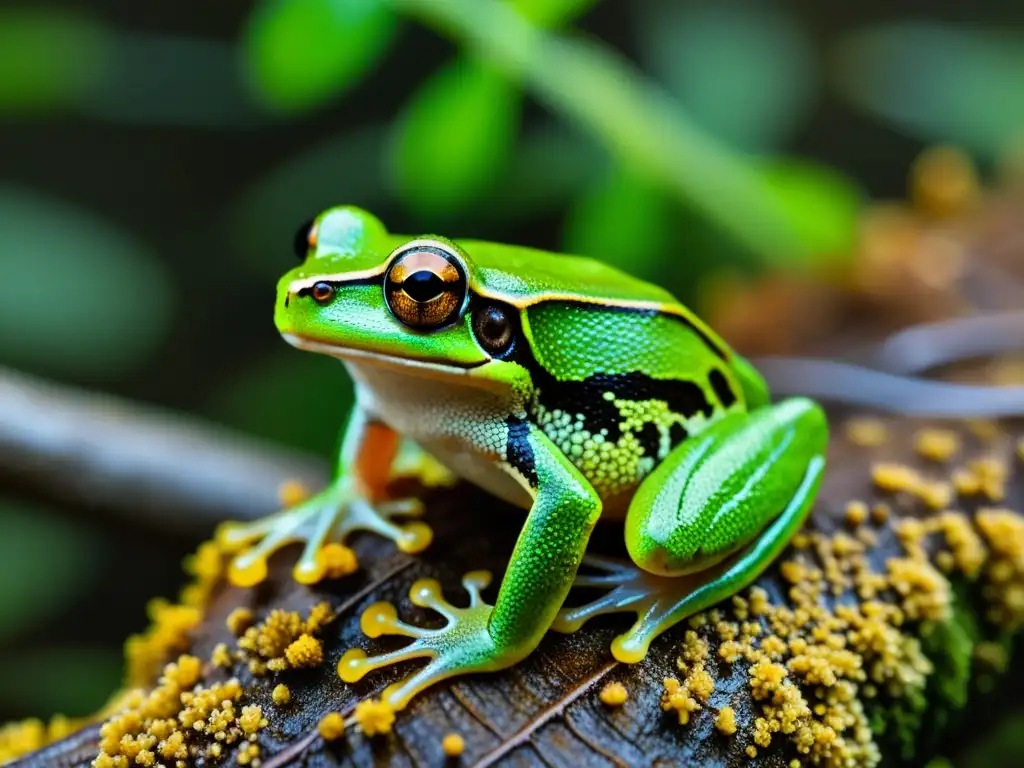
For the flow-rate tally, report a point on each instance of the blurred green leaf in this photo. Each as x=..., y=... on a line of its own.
x=345, y=169
x=961, y=85
x=550, y=167
x=46, y=561
x=49, y=58
x=638, y=123
x=300, y=53
x=73, y=681
x=77, y=296
x=821, y=204
x=743, y=71
x=626, y=221
x=294, y=398
x=454, y=137
x=551, y=13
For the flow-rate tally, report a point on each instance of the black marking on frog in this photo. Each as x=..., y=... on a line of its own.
x=723, y=391
x=601, y=416
x=649, y=438
x=519, y=452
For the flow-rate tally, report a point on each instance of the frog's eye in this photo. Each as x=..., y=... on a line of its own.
x=305, y=238
x=425, y=286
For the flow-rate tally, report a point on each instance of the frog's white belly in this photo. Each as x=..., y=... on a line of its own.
x=464, y=426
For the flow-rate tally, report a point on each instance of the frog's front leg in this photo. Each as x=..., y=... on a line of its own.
x=539, y=576
x=709, y=520
x=352, y=501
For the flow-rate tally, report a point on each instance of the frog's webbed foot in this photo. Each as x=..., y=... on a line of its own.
x=462, y=645
x=655, y=600
x=329, y=517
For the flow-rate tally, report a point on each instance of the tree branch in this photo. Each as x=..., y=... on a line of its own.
x=149, y=467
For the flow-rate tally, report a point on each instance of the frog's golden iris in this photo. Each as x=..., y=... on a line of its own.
x=425, y=286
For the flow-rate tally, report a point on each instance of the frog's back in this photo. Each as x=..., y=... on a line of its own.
x=525, y=276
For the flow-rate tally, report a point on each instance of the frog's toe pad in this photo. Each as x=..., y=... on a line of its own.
x=631, y=590
x=461, y=645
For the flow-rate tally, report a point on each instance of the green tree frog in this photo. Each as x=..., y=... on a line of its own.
x=563, y=386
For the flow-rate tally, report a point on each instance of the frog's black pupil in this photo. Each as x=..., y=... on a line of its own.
x=423, y=286
x=301, y=242
x=494, y=324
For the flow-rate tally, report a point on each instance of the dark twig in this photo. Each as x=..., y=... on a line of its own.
x=148, y=466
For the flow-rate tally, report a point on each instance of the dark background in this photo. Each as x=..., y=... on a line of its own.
x=155, y=158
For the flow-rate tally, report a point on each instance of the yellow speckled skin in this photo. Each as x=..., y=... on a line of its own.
x=560, y=384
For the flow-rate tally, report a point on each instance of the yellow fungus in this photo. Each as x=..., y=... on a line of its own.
x=614, y=694
x=284, y=640
x=937, y=444
x=856, y=513
x=453, y=745
x=205, y=566
x=281, y=695
x=894, y=477
x=251, y=720
x=167, y=634
x=880, y=513
x=374, y=716
x=984, y=429
x=239, y=620
x=866, y=432
x=151, y=727
x=726, y=721
x=899, y=477
x=982, y=477
x=331, y=726
x=319, y=616
x=337, y=561
x=221, y=656
x=306, y=651
x=248, y=754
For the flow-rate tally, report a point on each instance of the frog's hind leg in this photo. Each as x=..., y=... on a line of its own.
x=764, y=466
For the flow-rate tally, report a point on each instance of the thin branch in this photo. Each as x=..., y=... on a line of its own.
x=639, y=124
x=141, y=464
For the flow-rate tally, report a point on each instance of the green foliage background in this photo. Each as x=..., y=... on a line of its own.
x=156, y=157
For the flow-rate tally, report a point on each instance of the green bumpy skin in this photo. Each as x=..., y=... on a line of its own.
x=559, y=384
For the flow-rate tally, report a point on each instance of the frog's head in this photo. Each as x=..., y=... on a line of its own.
x=364, y=294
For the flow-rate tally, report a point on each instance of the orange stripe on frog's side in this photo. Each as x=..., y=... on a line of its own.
x=373, y=464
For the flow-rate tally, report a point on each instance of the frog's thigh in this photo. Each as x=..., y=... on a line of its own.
x=716, y=492
x=750, y=480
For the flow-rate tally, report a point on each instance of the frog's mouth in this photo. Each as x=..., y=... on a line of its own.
x=439, y=369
